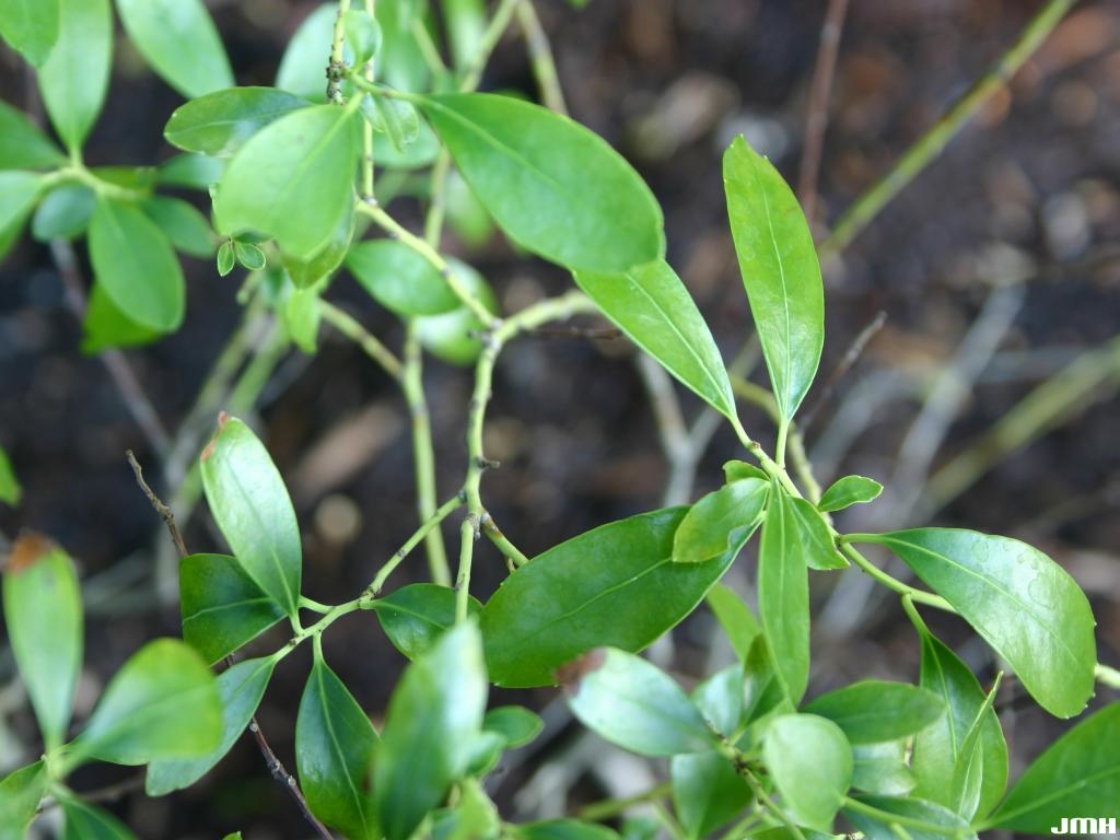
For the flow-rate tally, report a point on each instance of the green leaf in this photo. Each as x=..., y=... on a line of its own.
x=10, y=489
x=1078, y=776
x=394, y=118
x=780, y=271
x=163, y=703
x=421, y=152
x=453, y=336
x=516, y=724
x=249, y=255
x=783, y=595
x=940, y=760
x=196, y=172
x=64, y=213
x=707, y=792
x=227, y=258
x=21, y=791
x=816, y=540
x=75, y=79
x=302, y=315
x=563, y=830
x=466, y=25
x=22, y=145
x=630, y=702
x=304, y=62
x=434, y=715
x=763, y=692
x=30, y=27
x=43, y=614
x=293, y=180
x=400, y=61
x=251, y=506
x=721, y=521
x=414, y=616
x=88, y=822
x=106, y=326
x=941, y=821
x=134, y=263
x=616, y=585
x=363, y=35
x=810, y=762
x=18, y=193
x=240, y=688
x=219, y=123
x=554, y=187
x=849, y=490
x=308, y=273
x=882, y=769
x=183, y=224
x=738, y=470
x=735, y=617
x=465, y=215
x=335, y=743
x=222, y=607
x=179, y=41
x=400, y=279
x=720, y=699
x=874, y=711
x=475, y=815
x=1025, y=606
x=650, y=304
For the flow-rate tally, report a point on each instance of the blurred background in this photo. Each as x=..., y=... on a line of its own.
x=997, y=270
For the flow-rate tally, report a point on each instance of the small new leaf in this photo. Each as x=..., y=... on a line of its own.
x=849, y=490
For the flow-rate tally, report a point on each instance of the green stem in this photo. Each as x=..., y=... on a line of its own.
x=337, y=66
x=607, y=808
x=891, y=583
x=367, y=127
x=1108, y=676
x=540, y=57
x=898, y=819
x=428, y=49
x=349, y=327
x=468, y=533
x=442, y=512
x=437, y=199
x=494, y=31
x=868, y=205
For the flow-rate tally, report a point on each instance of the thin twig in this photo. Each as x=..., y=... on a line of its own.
x=671, y=429
x=163, y=510
x=841, y=370
x=370, y=344
x=541, y=59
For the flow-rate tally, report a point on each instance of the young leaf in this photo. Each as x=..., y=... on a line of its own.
x=874, y=711
x=219, y=123
x=941, y=821
x=396, y=119
x=816, y=540
x=721, y=521
x=75, y=78
x=649, y=303
x=363, y=35
x=185, y=226
x=10, y=489
x=64, y=213
x=88, y=822
x=240, y=688
x=707, y=792
x=616, y=585
x=421, y=152
x=1077, y=776
x=810, y=762
x=22, y=145
x=780, y=271
x=251, y=506
x=308, y=273
x=222, y=607
x=134, y=263
x=453, y=336
x=400, y=279
x=882, y=769
x=106, y=326
x=434, y=715
x=21, y=791
x=554, y=187
x=738, y=470
x=783, y=595
x=334, y=745
x=632, y=703
x=163, y=703
x=227, y=258
x=735, y=617
x=304, y=60
x=1025, y=606
x=414, y=616
x=250, y=255
x=720, y=699
x=30, y=28
x=18, y=193
x=515, y=724
x=292, y=180
x=180, y=42
x=849, y=490
x=43, y=613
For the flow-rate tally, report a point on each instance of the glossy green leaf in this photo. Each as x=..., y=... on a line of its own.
x=162, y=703
x=421, y=152
x=11, y=491
x=190, y=171
x=874, y=711
x=632, y=703
x=1078, y=776
x=219, y=123
x=400, y=61
x=30, y=27
x=465, y=214
x=475, y=815
x=720, y=699
x=179, y=41
x=18, y=193
x=414, y=616
x=940, y=759
x=293, y=180
x=135, y=265
x=721, y=521
x=434, y=715
x=738, y=470
x=249, y=255
x=849, y=490
x=227, y=258
x=89, y=822
x=613, y=586
x=882, y=769
x=707, y=792
x=735, y=617
x=222, y=607
x=21, y=791
x=816, y=540
x=563, y=830
x=554, y=187
x=782, y=276
x=308, y=273
x=1025, y=606
x=516, y=724
x=453, y=336
x=240, y=688
x=783, y=595
x=182, y=223
x=137, y=178
x=763, y=693
x=650, y=304
x=335, y=742
x=400, y=279
x=75, y=79
x=363, y=35
x=64, y=213
x=22, y=145
x=43, y=614
x=303, y=66
x=302, y=315
x=810, y=762
x=106, y=326
x=396, y=119
x=941, y=821
x=251, y=505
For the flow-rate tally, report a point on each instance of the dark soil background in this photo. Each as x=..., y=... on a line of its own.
x=1026, y=198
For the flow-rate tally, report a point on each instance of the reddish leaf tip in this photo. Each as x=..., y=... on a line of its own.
x=28, y=550
x=571, y=674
